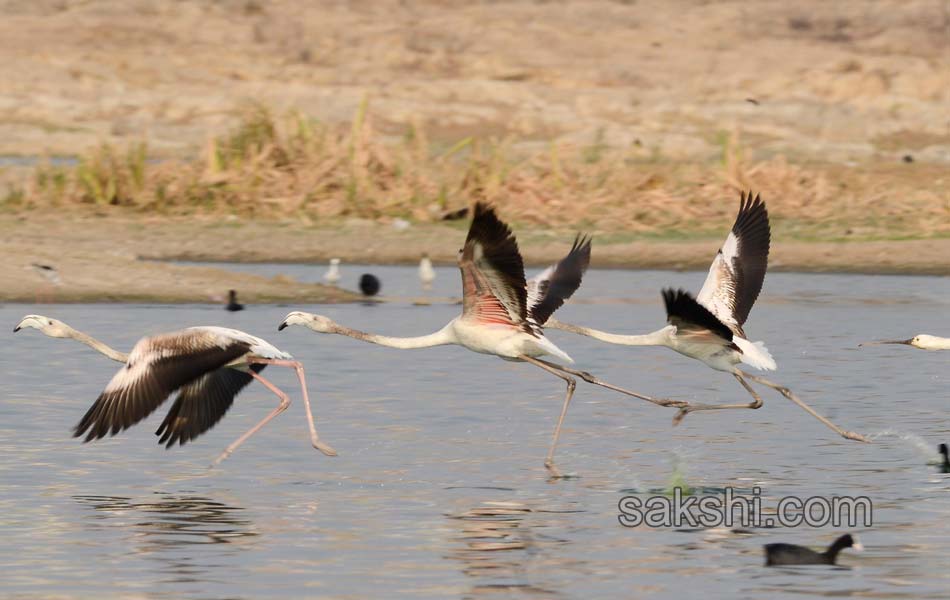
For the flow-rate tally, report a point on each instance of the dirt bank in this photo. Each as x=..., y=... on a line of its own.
x=114, y=259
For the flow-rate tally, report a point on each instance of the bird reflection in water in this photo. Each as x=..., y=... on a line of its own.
x=495, y=545
x=168, y=528
x=175, y=520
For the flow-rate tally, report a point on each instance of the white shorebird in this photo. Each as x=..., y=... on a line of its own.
x=502, y=313
x=332, y=276
x=709, y=327
x=208, y=366
x=426, y=272
x=922, y=341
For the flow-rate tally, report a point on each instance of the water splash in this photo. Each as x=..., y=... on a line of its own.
x=925, y=448
x=678, y=476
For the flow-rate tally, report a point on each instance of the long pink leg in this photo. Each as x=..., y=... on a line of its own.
x=298, y=368
x=756, y=403
x=571, y=385
x=284, y=403
x=591, y=379
x=851, y=435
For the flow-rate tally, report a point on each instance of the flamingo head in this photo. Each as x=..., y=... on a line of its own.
x=922, y=341
x=46, y=325
x=318, y=323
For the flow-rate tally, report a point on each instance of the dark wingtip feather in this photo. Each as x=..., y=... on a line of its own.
x=564, y=281
x=582, y=244
x=753, y=232
x=752, y=222
x=500, y=250
x=681, y=306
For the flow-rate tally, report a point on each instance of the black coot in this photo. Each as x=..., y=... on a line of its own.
x=945, y=465
x=369, y=285
x=232, y=302
x=790, y=554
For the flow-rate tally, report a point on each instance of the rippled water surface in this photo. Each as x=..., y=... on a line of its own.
x=439, y=490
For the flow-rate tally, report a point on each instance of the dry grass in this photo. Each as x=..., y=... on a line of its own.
x=295, y=167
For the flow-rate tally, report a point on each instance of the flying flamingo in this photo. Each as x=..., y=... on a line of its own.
x=208, y=366
x=502, y=313
x=709, y=327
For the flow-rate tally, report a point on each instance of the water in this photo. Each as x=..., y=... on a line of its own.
x=439, y=490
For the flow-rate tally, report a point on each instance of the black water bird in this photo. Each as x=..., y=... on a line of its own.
x=369, y=284
x=790, y=554
x=945, y=464
x=233, y=305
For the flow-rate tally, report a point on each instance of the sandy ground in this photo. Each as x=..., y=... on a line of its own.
x=99, y=261
x=845, y=83
x=812, y=79
x=115, y=259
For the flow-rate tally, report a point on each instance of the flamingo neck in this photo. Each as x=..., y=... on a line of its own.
x=660, y=337
x=97, y=345
x=439, y=338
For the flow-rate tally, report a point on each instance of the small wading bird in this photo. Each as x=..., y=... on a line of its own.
x=208, y=366
x=332, y=276
x=922, y=341
x=426, y=272
x=502, y=313
x=709, y=327
x=790, y=554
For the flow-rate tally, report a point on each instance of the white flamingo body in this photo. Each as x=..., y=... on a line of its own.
x=502, y=313
x=257, y=346
x=502, y=340
x=709, y=327
x=207, y=365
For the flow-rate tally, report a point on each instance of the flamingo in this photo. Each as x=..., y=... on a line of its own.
x=208, y=366
x=332, y=276
x=922, y=341
x=426, y=272
x=709, y=327
x=502, y=313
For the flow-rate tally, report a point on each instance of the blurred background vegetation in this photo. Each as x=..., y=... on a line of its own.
x=628, y=118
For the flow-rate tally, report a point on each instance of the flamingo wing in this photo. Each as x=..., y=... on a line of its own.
x=156, y=367
x=736, y=275
x=549, y=289
x=693, y=320
x=493, y=284
x=202, y=403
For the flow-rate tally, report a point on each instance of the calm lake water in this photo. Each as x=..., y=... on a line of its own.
x=440, y=491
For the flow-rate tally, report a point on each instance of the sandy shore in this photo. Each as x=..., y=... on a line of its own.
x=119, y=259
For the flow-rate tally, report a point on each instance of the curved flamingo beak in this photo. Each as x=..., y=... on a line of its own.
x=282, y=326
x=879, y=342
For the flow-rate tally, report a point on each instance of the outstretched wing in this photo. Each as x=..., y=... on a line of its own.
x=202, y=403
x=693, y=320
x=157, y=366
x=736, y=275
x=550, y=288
x=493, y=284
